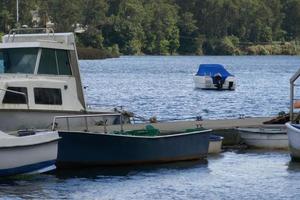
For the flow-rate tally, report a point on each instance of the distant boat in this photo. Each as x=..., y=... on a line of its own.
x=28, y=154
x=214, y=76
x=265, y=137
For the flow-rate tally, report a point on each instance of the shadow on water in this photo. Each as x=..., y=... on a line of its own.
x=293, y=166
x=94, y=172
x=253, y=151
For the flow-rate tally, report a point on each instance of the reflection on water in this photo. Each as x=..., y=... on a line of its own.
x=94, y=172
x=231, y=175
x=293, y=166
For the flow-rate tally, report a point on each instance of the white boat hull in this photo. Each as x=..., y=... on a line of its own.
x=28, y=154
x=293, y=132
x=30, y=119
x=206, y=82
x=215, y=144
x=267, y=139
x=215, y=147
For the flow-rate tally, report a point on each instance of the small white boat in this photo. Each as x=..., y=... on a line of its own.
x=293, y=131
x=214, y=76
x=265, y=137
x=215, y=144
x=28, y=154
x=293, y=127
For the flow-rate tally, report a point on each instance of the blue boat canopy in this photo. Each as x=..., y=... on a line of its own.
x=212, y=69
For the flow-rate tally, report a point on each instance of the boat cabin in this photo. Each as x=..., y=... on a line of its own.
x=39, y=71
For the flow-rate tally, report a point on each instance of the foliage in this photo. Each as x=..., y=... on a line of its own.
x=160, y=26
x=1, y=34
x=214, y=27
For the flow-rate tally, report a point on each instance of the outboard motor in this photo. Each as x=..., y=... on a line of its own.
x=230, y=85
x=218, y=82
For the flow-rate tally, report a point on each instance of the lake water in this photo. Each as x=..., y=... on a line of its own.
x=163, y=86
x=231, y=175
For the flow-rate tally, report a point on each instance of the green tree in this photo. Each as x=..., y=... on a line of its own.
x=65, y=14
x=292, y=17
x=94, y=13
x=160, y=26
x=127, y=26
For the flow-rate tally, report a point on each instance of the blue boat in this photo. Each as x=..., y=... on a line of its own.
x=91, y=148
x=214, y=76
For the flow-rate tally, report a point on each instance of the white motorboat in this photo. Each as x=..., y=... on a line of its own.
x=293, y=127
x=267, y=137
x=214, y=76
x=40, y=79
x=29, y=154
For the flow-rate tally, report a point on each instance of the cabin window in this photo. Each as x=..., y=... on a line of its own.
x=63, y=62
x=48, y=96
x=15, y=97
x=48, y=62
x=18, y=60
x=54, y=62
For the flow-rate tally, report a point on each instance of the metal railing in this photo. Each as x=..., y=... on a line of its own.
x=15, y=31
x=20, y=93
x=85, y=117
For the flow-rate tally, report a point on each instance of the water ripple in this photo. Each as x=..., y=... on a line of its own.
x=163, y=86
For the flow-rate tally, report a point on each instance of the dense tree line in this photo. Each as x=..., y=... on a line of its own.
x=165, y=26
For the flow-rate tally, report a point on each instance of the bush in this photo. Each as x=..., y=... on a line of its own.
x=115, y=51
x=226, y=46
x=164, y=47
x=133, y=47
x=235, y=40
x=1, y=34
x=257, y=50
x=289, y=48
x=199, y=41
x=92, y=53
x=208, y=48
x=276, y=49
x=91, y=38
x=266, y=35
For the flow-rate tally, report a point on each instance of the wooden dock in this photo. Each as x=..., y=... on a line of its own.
x=209, y=124
x=176, y=126
x=222, y=127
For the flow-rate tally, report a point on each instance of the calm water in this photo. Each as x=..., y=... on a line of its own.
x=232, y=175
x=163, y=86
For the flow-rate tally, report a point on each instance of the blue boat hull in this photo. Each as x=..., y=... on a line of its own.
x=27, y=168
x=77, y=149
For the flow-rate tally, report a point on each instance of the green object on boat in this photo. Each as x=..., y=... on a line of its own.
x=148, y=131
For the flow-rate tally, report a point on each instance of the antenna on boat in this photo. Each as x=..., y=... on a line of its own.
x=17, y=5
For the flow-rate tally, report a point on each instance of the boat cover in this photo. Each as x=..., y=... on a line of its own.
x=212, y=70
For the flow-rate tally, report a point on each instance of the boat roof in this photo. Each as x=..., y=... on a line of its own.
x=41, y=40
x=212, y=69
x=36, y=45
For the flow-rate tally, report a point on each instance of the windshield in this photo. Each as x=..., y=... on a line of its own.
x=19, y=60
